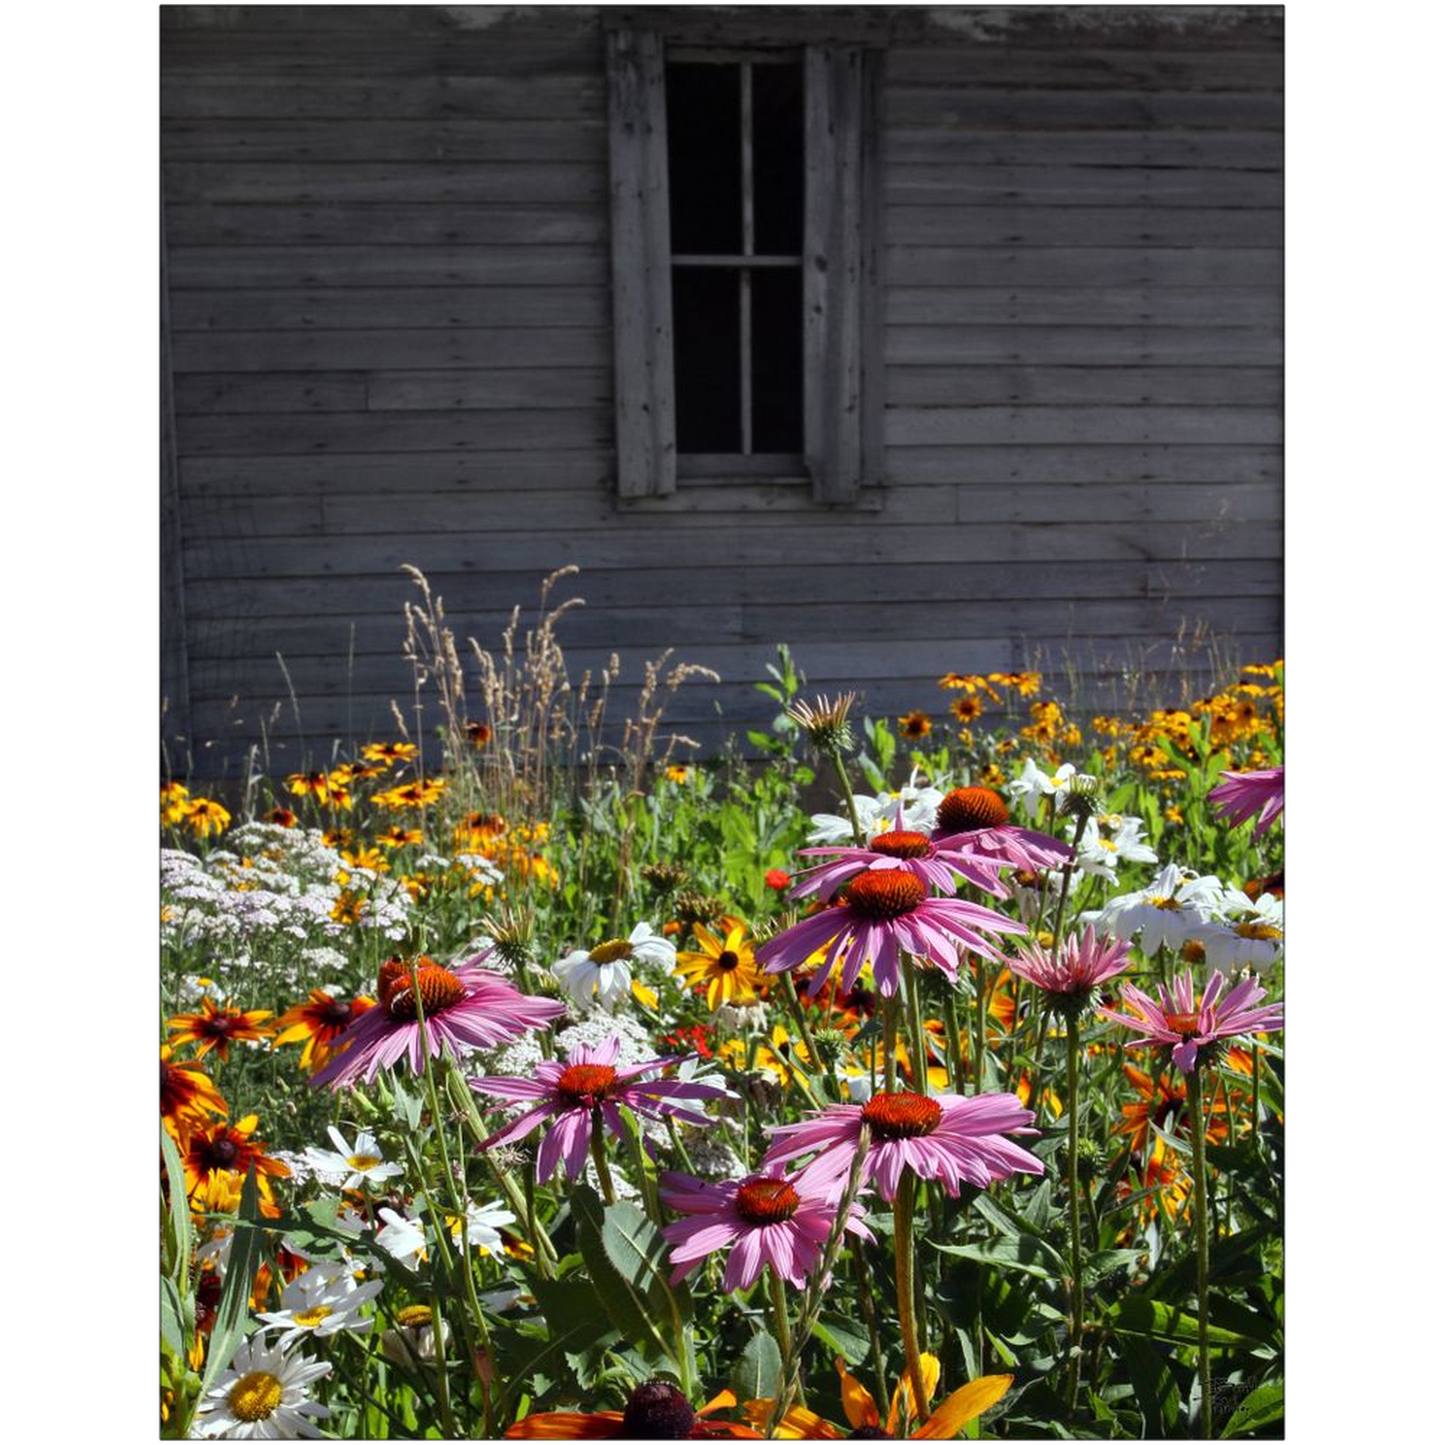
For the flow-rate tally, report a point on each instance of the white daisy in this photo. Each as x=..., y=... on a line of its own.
x=1170, y=910
x=351, y=1163
x=483, y=1221
x=1251, y=935
x=1102, y=847
x=1032, y=784
x=321, y=1302
x=262, y=1396
x=878, y=813
x=602, y=975
x=415, y=1340
x=403, y=1237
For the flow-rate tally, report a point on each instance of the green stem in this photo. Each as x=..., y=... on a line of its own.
x=915, y=1023
x=859, y=837
x=865, y=1303
x=903, y=1273
x=980, y=1043
x=1076, y=1277
x=795, y=1007
x=1200, y=1206
x=780, y=1313
x=955, y=1054
x=890, y=1043
x=599, y=1158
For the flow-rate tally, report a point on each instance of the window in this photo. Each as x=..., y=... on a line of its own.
x=745, y=327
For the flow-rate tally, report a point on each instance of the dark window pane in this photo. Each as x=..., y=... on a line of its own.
x=704, y=159
x=706, y=346
x=777, y=359
x=778, y=159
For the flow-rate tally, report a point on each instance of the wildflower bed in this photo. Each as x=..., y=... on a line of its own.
x=635, y=1100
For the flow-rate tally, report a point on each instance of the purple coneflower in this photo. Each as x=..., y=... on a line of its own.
x=947, y=1137
x=931, y=861
x=1239, y=796
x=1175, y=1023
x=579, y=1092
x=763, y=1219
x=465, y=1008
x=883, y=914
x=1082, y=963
x=974, y=822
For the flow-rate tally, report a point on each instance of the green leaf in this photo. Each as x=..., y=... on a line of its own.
x=1107, y=1261
x=1262, y=1407
x=843, y=1336
x=758, y=1372
x=627, y=1305
x=570, y=1309
x=1026, y=1254
x=638, y=1252
x=1155, y=1389
x=247, y=1248
x=178, y=1215
x=173, y=1331
x=1140, y=1316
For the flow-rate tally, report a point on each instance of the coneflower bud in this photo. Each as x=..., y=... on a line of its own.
x=512, y=934
x=830, y=1044
x=664, y=877
x=1082, y=798
x=825, y=722
x=697, y=908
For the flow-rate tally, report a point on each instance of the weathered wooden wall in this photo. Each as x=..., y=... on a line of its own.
x=389, y=332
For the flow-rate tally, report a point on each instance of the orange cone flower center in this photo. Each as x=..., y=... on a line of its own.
x=902, y=1115
x=1185, y=1024
x=966, y=809
x=439, y=987
x=885, y=895
x=586, y=1084
x=899, y=844
x=767, y=1201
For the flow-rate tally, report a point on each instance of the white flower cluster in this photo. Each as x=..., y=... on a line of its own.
x=273, y=885
x=876, y=814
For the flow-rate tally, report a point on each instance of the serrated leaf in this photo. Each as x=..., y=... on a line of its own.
x=625, y=1304
x=758, y=1372
x=1261, y=1407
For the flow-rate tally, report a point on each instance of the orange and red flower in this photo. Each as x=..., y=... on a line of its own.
x=218, y=1026
x=319, y=1022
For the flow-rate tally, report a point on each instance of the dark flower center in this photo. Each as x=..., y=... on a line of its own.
x=767, y=1201
x=727, y=960
x=439, y=987
x=657, y=1411
x=869, y=1432
x=902, y=1115
x=587, y=1084
x=966, y=809
x=899, y=844
x=885, y=895
x=335, y=1014
x=220, y=1026
x=219, y=1153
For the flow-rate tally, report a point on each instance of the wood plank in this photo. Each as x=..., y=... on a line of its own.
x=954, y=181
x=1111, y=268
x=910, y=103
x=437, y=349
x=986, y=425
x=932, y=140
x=386, y=476
x=458, y=24
x=580, y=138
x=253, y=598
x=207, y=393
x=782, y=543
x=368, y=98
x=1076, y=69
x=1083, y=346
x=488, y=389
x=986, y=466
x=433, y=225
x=967, y=386
x=393, y=432
x=219, y=641
x=969, y=305
x=220, y=268
x=358, y=183
x=1021, y=225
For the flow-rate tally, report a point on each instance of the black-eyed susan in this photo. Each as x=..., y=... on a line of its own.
x=964, y=1404
x=367, y=857
x=724, y=964
x=281, y=818
x=217, y=1026
x=327, y=788
x=224, y=1149
x=478, y=734
x=418, y=794
x=389, y=752
x=317, y=1024
x=175, y=800
x=205, y=816
x=188, y=1097
x=967, y=708
x=913, y=727
x=398, y=837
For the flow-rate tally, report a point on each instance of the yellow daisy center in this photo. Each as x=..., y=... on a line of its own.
x=254, y=1396
x=363, y=1162
x=611, y=951
x=309, y=1319
x=413, y=1317
x=1160, y=900
x=1266, y=931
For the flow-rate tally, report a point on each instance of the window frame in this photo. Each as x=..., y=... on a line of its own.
x=842, y=458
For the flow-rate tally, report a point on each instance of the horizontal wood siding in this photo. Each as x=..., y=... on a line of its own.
x=390, y=322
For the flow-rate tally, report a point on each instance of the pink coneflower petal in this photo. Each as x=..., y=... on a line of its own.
x=1242, y=796
x=1173, y=1023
